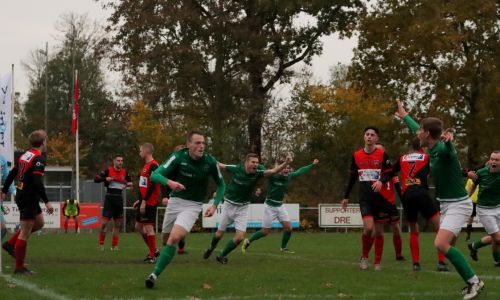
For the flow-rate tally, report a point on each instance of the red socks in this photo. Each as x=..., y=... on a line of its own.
x=114, y=241
x=102, y=236
x=76, y=226
x=414, y=247
x=151, y=244
x=14, y=237
x=398, y=244
x=379, y=249
x=366, y=242
x=20, y=253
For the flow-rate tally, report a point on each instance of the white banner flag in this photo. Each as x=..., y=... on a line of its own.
x=6, y=147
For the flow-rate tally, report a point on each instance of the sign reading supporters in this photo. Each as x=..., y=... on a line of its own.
x=332, y=215
x=255, y=215
x=51, y=221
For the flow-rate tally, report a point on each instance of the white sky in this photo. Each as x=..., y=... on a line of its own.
x=27, y=24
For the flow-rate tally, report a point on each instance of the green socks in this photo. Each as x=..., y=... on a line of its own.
x=4, y=232
x=285, y=239
x=228, y=248
x=214, y=242
x=460, y=264
x=166, y=255
x=496, y=257
x=259, y=234
x=478, y=244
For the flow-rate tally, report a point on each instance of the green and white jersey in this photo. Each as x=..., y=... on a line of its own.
x=191, y=173
x=239, y=190
x=278, y=185
x=446, y=170
x=489, y=188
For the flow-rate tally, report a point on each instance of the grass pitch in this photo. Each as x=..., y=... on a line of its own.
x=325, y=265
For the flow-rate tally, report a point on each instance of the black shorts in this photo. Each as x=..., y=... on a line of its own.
x=473, y=215
x=379, y=208
x=149, y=216
x=28, y=209
x=418, y=201
x=113, y=206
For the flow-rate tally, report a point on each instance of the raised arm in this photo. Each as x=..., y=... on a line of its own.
x=278, y=168
x=402, y=114
x=303, y=170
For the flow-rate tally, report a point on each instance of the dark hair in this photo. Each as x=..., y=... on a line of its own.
x=251, y=155
x=372, y=128
x=191, y=133
x=496, y=151
x=415, y=144
x=149, y=146
x=434, y=126
x=117, y=155
x=37, y=137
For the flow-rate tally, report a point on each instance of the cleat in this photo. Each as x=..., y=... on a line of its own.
x=245, y=245
x=157, y=253
x=496, y=264
x=181, y=251
x=10, y=249
x=416, y=267
x=223, y=260
x=442, y=267
x=377, y=267
x=207, y=253
x=150, y=260
x=472, y=290
x=363, y=263
x=400, y=258
x=23, y=271
x=286, y=250
x=150, y=281
x=472, y=252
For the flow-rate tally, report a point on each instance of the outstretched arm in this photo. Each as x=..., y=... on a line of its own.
x=401, y=113
x=278, y=168
x=303, y=170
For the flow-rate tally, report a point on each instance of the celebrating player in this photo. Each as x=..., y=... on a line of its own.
x=414, y=170
x=149, y=193
x=488, y=207
x=236, y=200
x=116, y=179
x=372, y=167
x=29, y=190
x=274, y=208
x=456, y=207
x=191, y=167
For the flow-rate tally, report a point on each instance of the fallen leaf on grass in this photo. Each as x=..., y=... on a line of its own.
x=342, y=295
x=207, y=286
x=11, y=285
x=329, y=285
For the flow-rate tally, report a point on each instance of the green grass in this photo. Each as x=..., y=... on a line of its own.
x=324, y=266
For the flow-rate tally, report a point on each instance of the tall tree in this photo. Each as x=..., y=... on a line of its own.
x=102, y=122
x=442, y=57
x=215, y=62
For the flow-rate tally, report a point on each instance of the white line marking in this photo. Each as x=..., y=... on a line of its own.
x=50, y=294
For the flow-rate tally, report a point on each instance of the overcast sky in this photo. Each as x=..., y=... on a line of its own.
x=27, y=24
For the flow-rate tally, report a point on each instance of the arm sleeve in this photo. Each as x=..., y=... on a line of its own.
x=101, y=177
x=127, y=177
x=396, y=168
x=387, y=172
x=9, y=180
x=161, y=174
x=39, y=187
x=301, y=171
x=353, y=176
x=152, y=186
x=219, y=180
x=412, y=124
x=232, y=168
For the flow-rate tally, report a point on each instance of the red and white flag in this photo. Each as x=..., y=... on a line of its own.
x=74, y=123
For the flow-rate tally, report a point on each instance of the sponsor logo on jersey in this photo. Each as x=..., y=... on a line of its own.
x=369, y=174
x=28, y=156
x=414, y=157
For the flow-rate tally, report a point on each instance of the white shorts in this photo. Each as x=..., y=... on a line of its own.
x=490, y=218
x=231, y=213
x=454, y=215
x=180, y=212
x=272, y=213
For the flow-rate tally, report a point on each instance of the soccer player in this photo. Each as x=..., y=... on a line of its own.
x=456, y=207
x=274, y=208
x=4, y=172
x=373, y=169
x=414, y=170
x=388, y=192
x=488, y=207
x=115, y=179
x=149, y=194
x=236, y=200
x=473, y=197
x=192, y=168
x=71, y=209
x=29, y=190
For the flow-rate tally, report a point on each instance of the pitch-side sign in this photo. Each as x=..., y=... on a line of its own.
x=255, y=214
x=51, y=221
x=332, y=215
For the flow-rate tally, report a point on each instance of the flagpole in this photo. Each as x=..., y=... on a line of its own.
x=12, y=137
x=77, y=149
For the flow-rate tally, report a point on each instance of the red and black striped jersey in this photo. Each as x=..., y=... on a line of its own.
x=149, y=191
x=414, y=170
